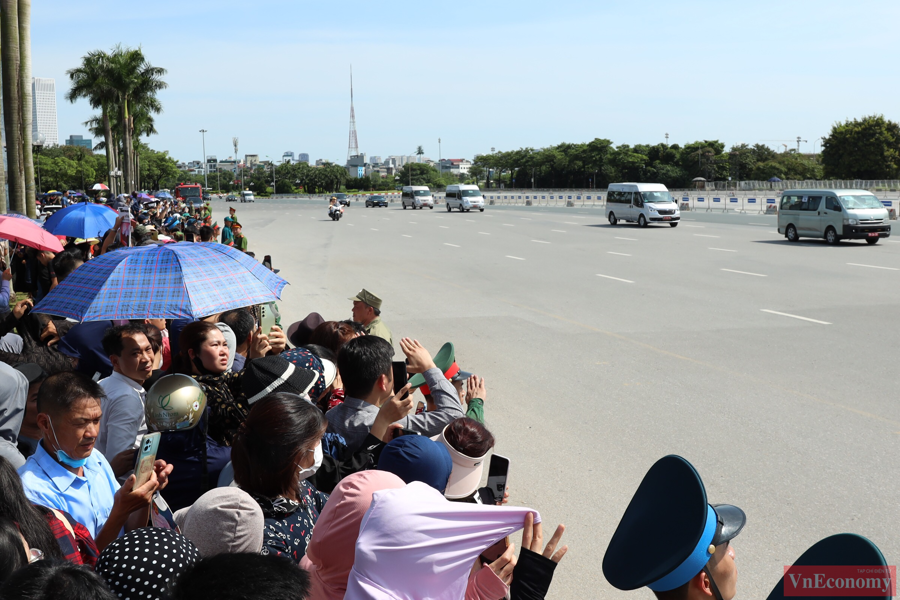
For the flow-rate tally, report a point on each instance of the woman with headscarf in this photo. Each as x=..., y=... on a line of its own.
x=274, y=452
x=142, y=564
x=226, y=520
x=414, y=543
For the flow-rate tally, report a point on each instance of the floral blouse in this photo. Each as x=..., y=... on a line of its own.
x=289, y=524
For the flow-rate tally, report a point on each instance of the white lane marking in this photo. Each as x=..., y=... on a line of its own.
x=373, y=229
x=508, y=225
x=557, y=231
x=469, y=221
x=443, y=227
x=404, y=235
x=697, y=226
x=570, y=223
x=540, y=242
x=775, y=312
x=453, y=245
x=484, y=233
x=873, y=267
x=579, y=217
x=763, y=224
x=350, y=224
x=629, y=239
x=618, y=254
x=413, y=223
x=514, y=257
x=723, y=250
x=489, y=215
x=312, y=217
x=615, y=278
x=744, y=273
x=525, y=218
x=704, y=235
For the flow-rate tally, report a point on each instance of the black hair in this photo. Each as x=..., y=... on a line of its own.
x=262, y=577
x=241, y=322
x=55, y=580
x=66, y=262
x=61, y=391
x=31, y=519
x=361, y=361
x=206, y=233
x=359, y=328
x=321, y=352
x=12, y=552
x=270, y=442
x=112, y=339
x=377, y=311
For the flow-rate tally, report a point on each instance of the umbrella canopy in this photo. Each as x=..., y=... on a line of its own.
x=145, y=197
x=99, y=187
x=169, y=281
x=54, y=193
x=166, y=195
x=698, y=179
x=23, y=231
x=774, y=179
x=81, y=220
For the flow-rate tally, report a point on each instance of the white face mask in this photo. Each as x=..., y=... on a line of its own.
x=307, y=472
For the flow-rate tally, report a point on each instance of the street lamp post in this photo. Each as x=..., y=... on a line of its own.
x=38, y=146
x=816, y=141
x=440, y=159
x=205, y=163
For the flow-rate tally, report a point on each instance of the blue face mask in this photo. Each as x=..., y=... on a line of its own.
x=61, y=455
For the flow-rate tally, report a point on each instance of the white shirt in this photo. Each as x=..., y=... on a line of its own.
x=122, y=423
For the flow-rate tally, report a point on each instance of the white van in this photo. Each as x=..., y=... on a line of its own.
x=464, y=198
x=834, y=215
x=247, y=196
x=416, y=196
x=641, y=203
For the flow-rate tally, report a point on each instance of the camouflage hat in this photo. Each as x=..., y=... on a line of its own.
x=367, y=297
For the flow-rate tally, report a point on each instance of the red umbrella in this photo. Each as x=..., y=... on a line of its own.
x=99, y=187
x=25, y=232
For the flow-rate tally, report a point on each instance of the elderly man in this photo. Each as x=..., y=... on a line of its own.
x=367, y=311
x=66, y=474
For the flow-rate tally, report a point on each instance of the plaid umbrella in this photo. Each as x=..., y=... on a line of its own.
x=23, y=230
x=81, y=220
x=169, y=281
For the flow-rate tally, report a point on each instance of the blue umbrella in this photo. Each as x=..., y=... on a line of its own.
x=165, y=195
x=169, y=281
x=774, y=179
x=81, y=220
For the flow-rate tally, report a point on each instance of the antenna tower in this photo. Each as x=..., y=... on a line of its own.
x=353, y=148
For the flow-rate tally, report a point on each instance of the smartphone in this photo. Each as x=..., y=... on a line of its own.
x=495, y=551
x=498, y=472
x=399, y=432
x=400, y=375
x=146, y=456
x=268, y=316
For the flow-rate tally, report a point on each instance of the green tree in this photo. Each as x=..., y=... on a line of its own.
x=867, y=148
x=157, y=168
x=12, y=103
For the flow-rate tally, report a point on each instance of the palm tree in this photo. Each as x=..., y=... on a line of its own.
x=12, y=107
x=420, y=152
x=136, y=82
x=90, y=81
x=25, y=86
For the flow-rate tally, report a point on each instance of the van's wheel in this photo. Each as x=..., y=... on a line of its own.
x=873, y=240
x=448, y=208
x=612, y=219
x=431, y=207
x=481, y=210
x=791, y=234
x=642, y=221
x=831, y=236
x=404, y=207
x=673, y=224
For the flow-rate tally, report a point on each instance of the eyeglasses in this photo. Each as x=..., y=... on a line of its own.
x=35, y=555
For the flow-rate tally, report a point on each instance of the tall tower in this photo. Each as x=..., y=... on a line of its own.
x=353, y=148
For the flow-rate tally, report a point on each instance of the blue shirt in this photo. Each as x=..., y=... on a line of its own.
x=85, y=342
x=89, y=499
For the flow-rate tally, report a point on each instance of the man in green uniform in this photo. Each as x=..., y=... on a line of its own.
x=367, y=311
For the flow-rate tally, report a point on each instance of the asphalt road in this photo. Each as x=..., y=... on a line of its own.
x=769, y=365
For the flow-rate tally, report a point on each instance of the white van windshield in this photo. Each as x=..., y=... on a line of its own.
x=422, y=192
x=469, y=193
x=861, y=201
x=657, y=197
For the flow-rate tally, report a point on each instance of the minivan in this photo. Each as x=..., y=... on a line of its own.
x=464, y=198
x=641, y=203
x=247, y=196
x=833, y=215
x=416, y=196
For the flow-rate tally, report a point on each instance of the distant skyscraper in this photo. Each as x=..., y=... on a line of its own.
x=303, y=157
x=43, y=111
x=353, y=148
x=287, y=157
x=77, y=140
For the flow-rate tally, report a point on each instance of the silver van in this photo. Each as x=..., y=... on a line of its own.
x=834, y=215
x=641, y=203
x=464, y=198
x=416, y=196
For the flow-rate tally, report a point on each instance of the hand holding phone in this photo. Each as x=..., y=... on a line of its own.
x=401, y=376
x=143, y=466
x=495, y=551
x=498, y=474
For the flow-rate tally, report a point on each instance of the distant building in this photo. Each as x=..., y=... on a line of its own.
x=456, y=166
x=375, y=160
x=212, y=164
x=356, y=165
x=77, y=140
x=321, y=162
x=251, y=160
x=303, y=157
x=287, y=157
x=43, y=110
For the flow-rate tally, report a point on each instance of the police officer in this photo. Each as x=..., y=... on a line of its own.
x=367, y=311
x=672, y=541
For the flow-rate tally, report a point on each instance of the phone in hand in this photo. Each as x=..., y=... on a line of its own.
x=495, y=551
x=401, y=376
x=146, y=456
x=269, y=316
x=498, y=473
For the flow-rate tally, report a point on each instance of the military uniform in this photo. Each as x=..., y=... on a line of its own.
x=378, y=328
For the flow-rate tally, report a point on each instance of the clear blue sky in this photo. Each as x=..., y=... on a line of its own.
x=485, y=74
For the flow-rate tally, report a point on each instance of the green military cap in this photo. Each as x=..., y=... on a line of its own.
x=367, y=297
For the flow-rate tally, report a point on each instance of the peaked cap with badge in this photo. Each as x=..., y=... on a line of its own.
x=367, y=297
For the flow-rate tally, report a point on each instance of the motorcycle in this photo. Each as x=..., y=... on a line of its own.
x=335, y=212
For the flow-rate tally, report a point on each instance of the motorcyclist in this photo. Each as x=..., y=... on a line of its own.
x=333, y=206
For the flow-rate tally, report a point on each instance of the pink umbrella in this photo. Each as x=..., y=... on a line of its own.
x=22, y=231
